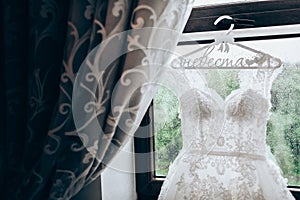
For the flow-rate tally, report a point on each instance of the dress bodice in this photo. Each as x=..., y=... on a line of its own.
x=224, y=154
x=236, y=124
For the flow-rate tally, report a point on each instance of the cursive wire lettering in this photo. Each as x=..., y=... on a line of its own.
x=206, y=61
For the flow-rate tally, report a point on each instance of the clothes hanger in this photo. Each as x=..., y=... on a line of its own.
x=225, y=53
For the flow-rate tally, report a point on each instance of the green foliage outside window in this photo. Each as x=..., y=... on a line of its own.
x=283, y=128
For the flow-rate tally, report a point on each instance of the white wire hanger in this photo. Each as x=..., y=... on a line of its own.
x=225, y=53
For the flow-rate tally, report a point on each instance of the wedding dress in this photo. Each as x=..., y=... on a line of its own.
x=224, y=154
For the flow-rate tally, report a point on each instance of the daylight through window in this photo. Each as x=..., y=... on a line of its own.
x=283, y=128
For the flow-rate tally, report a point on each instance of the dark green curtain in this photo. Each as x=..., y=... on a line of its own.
x=33, y=37
x=43, y=44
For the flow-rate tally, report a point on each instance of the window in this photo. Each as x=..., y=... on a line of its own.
x=282, y=129
x=202, y=3
x=163, y=115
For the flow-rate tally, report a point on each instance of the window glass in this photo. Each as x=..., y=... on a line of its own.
x=283, y=128
x=216, y=2
x=167, y=129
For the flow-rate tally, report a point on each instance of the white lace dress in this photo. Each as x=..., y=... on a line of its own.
x=224, y=154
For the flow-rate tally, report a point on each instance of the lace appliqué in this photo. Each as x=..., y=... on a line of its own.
x=224, y=145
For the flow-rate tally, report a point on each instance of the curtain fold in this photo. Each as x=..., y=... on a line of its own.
x=14, y=92
x=2, y=106
x=33, y=41
x=57, y=50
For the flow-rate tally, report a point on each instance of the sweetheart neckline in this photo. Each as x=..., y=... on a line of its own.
x=209, y=91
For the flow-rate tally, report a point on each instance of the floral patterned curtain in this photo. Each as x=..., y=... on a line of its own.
x=75, y=77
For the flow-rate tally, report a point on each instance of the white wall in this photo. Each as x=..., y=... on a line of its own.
x=118, y=180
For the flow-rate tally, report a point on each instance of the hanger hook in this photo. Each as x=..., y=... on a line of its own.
x=225, y=17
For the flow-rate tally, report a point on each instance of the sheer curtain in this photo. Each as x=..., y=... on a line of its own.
x=63, y=123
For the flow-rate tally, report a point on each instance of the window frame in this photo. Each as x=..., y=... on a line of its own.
x=282, y=12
